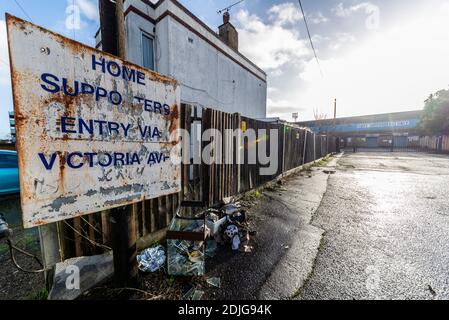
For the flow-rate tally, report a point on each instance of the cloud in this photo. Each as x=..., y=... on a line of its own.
x=281, y=107
x=343, y=12
x=270, y=45
x=341, y=39
x=317, y=38
x=89, y=9
x=391, y=71
x=5, y=82
x=79, y=15
x=284, y=14
x=317, y=18
x=273, y=90
x=4, y=56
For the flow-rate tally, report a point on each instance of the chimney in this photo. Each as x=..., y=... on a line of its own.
x=228, y=33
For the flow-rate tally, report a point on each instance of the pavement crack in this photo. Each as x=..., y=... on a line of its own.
x=300, y=291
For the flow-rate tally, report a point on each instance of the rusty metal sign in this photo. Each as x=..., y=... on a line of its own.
x=93, y=132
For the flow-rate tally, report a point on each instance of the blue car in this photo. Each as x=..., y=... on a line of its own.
x=9, y=173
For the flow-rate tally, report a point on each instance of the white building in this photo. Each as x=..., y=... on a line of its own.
x=169, y=39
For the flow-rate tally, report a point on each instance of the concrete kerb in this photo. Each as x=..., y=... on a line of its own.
x=285, y=175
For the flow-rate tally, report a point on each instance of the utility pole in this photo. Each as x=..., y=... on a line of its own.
x=335, y=109
x=122, y=220
x=108, y=27
x=120, y=18
x=335, y=122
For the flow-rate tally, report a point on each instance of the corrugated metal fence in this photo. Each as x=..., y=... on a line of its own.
x=439, y=144
x=434, y=144
x=90, y=235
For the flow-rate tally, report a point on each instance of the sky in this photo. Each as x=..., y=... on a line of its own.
x=374, y=56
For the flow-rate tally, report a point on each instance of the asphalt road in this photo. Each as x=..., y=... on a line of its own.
x=386, y=229
x=367, y=226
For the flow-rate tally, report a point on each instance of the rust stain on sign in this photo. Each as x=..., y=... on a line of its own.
x=93, y=132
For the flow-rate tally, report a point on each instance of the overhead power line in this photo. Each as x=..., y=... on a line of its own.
x=23, y=10
x=310, y=37
x=227, y=9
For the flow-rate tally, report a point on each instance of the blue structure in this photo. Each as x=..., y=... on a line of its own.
x=383, y=130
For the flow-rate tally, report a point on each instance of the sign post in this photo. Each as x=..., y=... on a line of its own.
x=93, y=131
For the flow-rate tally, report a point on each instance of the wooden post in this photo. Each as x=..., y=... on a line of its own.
x=304, y=156
x=123, y=220
x=50, y=248
x=205, y=169
x=120, y=18
x=108, y=27
x=283, y=148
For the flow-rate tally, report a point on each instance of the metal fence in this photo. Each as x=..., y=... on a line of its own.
x=433, y=144
x=90, y=234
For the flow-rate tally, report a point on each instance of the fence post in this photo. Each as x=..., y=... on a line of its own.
x=238, y=160
x=205, y=168
x=283, y=148
x=50, y=249
x=305, y=148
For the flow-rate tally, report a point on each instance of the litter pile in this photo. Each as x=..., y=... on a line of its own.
x=228, y=225
x=194, y=235
x=151, y=259
x=186, y=238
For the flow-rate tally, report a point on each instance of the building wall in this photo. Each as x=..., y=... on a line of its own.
x=391, y=123
x=211, y=73
x=210, y=79
x=135, y=26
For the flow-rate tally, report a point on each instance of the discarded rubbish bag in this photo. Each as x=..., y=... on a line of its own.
x=237, y=217
x=231, y=208
x=151, y=259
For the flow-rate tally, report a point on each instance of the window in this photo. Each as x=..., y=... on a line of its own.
x=148, y=52
x=8, y=161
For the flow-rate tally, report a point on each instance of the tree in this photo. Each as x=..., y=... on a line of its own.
x=318, y=115
x=435, y=118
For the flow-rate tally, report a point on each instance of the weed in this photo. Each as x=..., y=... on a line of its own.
x=41, y=294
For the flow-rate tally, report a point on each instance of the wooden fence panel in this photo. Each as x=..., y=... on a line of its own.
x=224, y=177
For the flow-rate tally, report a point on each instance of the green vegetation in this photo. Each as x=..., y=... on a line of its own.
x=435, y=119
x=41, y=294
x=3, y=248
x=171, y=280
x=323, y=162
x=253, y=195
